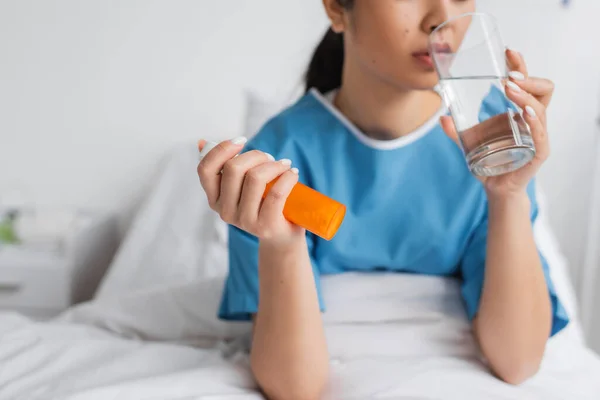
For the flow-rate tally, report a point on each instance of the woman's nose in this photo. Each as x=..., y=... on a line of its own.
x=439, y=12
x=433, y=27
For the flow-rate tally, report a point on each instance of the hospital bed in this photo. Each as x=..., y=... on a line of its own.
x=152, y=332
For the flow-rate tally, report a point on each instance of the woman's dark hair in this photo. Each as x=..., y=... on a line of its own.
x=325, y=69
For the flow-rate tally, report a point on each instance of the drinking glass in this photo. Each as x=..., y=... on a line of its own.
x=470, y=58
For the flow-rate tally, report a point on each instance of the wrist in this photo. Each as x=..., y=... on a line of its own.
x=284, y=246
x=512, y=199
x=281, y=256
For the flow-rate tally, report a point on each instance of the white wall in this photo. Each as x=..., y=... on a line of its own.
x=93, y=93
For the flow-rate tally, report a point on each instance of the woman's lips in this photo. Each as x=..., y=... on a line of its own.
x=424, y=58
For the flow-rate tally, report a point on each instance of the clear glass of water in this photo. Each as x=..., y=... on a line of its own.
x=470, y=58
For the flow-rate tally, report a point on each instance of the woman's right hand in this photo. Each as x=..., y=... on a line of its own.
x=234, y=187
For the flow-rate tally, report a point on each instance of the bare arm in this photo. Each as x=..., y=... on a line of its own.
x=289, y=354
x=514, y=318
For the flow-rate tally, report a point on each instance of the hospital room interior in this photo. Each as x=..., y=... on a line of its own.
x=299, y=199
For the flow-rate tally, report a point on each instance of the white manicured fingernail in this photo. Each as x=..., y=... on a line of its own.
x=239, y=140
x=513, y=86
x=530, y=111
x=295, y=171
x=286, y=162
x=516, y=75
x=270, y=157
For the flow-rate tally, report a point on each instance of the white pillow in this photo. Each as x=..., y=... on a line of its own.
x=175, y=237
x=172, y=239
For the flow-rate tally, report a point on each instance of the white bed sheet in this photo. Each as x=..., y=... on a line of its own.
x=55, y=360
x=390, y=336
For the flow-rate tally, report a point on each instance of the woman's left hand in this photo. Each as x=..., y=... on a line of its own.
x=533, y=96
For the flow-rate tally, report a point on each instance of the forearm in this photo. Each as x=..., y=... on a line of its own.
x=514, y=318
x=289, y=354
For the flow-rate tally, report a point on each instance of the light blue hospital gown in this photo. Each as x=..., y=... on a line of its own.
x=412, y=204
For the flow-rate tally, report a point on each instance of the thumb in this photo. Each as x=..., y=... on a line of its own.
x=449, y=128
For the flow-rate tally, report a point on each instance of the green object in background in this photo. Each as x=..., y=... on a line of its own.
x=7, y=230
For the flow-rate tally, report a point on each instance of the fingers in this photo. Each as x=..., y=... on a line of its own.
x=254, y=186
x=272, y=207
x=532, y=112
x=210, y=167
x=236, y=185
x=522, y=99
x=516, y=63
x=234, y=174
x=538, y=132
x=449, y=128
x=542, y=89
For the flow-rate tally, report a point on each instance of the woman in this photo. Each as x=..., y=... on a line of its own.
x=370, y=134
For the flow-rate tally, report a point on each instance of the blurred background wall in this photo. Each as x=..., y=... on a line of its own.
x=94, y=93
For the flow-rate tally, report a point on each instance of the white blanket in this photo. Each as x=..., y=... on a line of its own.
x=390, y=336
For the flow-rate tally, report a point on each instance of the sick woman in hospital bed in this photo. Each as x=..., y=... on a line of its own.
x=372, y=133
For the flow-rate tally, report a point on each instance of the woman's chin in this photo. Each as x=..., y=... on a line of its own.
x=422, y=81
